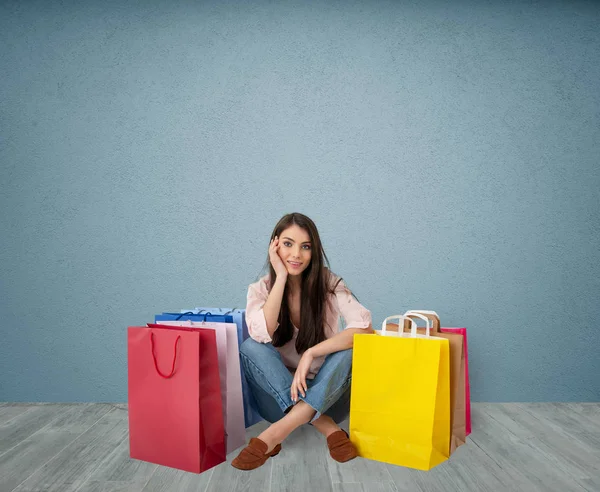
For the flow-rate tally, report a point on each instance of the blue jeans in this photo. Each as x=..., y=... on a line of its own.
x=270, y=381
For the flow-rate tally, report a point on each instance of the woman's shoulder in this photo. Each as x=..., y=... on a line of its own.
x=263, y=284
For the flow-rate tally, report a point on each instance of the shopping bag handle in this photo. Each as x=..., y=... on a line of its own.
x=424, y=317
x=431, y=315
x=174, y=357
x=221, y=313
x=220, y=310
x=413, y=331
x=195, y=314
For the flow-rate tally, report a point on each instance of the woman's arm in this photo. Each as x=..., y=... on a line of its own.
x=357, y=318
x=343, y=340
x=273, y=304
x=262, y=309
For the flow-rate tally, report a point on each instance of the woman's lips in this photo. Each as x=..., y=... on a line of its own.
x=295, y=265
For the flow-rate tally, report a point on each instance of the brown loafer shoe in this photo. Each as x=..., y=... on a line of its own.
x=254, y=455
x=340, y=447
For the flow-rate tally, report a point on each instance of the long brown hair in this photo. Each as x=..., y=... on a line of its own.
x=318, y=282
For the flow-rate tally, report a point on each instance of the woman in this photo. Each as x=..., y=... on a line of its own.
x=297, y=364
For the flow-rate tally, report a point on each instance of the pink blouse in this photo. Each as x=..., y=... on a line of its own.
x=354, y=314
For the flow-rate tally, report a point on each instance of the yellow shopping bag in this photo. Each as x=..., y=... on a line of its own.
x=400, y=397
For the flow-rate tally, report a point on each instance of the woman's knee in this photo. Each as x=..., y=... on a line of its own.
x=266, y=404
x=342, y=356
x=252, y=349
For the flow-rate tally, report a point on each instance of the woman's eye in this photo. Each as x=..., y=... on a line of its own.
x=287, y=244
x=307, y=246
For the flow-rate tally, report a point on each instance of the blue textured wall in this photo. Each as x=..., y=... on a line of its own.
x=448, y=152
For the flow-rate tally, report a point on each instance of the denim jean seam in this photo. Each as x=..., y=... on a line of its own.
x=280, y=401
x=326, y=404
x=345, y=384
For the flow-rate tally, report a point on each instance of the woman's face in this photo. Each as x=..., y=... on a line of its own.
x=295, y=249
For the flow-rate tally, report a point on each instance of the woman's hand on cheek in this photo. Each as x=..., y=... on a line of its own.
x=276, y=261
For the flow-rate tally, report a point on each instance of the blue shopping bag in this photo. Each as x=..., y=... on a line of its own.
x=238, y=316
x=191, y=316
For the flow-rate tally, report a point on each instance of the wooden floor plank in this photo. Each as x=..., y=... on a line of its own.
x=560, y=417
x=591, y=411
x=94, y=486
x=513, y=447
x=529, y=469
x=70, y=468
x=225, y=477
x=362, y=487
x=302, y=463
x=169, y=479
x=27, y=423
x=29, y=455
x=118, y=467
x=590, y=484
x=555, y=444
x=9, y=412
x=469, y=468
x=358, y=470
x=370, y=474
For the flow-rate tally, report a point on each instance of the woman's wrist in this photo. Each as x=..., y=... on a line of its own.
x=281, y=278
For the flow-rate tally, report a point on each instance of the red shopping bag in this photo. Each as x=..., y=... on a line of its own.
x=175, y=409
x=463, y=332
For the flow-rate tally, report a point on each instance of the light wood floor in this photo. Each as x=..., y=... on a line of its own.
x=513, y=447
